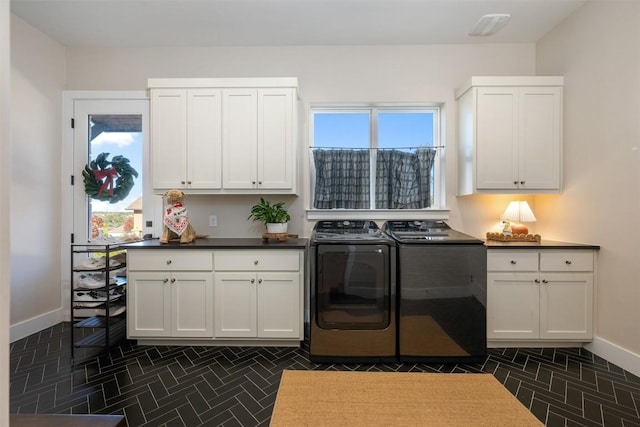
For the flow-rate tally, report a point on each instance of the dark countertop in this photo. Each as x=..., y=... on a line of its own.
x=222, y=243
x=542, y=244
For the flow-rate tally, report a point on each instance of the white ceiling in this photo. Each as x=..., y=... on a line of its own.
x=143, y=23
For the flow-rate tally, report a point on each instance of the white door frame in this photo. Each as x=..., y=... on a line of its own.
x=67, y=162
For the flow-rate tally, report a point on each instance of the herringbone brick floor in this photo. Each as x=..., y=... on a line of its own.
x=237, y=386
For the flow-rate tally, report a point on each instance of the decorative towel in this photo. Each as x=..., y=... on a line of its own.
x=176, y=218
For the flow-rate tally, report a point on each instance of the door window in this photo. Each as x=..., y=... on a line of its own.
x=114, y=137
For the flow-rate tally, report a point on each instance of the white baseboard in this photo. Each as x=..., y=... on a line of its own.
x=626, y=359
x=35, y=324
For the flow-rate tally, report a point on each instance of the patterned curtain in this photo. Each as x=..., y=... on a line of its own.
x=403, y=180
x=342, y=179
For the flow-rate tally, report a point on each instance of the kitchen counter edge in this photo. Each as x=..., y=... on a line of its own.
x=222, y=243
x=543, y=244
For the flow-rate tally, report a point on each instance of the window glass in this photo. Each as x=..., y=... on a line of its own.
x=342, y=130
x=405, y=130
x=117, y=135
x=375, y=158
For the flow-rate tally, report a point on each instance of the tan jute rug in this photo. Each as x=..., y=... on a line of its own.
x=329, y=398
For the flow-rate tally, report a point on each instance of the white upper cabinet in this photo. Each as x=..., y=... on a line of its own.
x=186, y=135
x=231, y=136
x=275, y=139
x=240, y=138
x=258, y=139
x=510, y=135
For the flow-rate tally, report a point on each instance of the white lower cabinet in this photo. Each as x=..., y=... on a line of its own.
x=258, y=294
x=215, y=297
x=170, y=294
x=540, y=295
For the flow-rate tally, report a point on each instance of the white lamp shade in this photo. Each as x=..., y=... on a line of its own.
x=518, y=212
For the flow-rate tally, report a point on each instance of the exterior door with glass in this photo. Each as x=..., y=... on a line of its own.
x=109, y=136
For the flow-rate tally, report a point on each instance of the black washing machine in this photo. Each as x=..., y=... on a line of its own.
x=353, y=293
x=442, y=292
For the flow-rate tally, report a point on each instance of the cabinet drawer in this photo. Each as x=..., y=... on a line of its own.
x=512, y=261
x=274, y=260
x=566, y=261
x=168, y=260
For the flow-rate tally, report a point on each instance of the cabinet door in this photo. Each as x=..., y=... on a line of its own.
x=566, y=306
x=539, y=123
x=149, y=305
x=235, y=305
x=512, y=306
x=279, y=305
x=239, y=138
x=204, y=139
x=497, y=138
x=168, y=138
x=275, y=139
x=191, y=304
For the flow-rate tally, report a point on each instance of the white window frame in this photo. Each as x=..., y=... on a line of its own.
x=437, y=211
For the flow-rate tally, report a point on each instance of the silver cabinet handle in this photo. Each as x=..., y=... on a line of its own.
x=545, y=281
x=182, y=182
x=537, y=281
x=173, y=280
x=513, y=262
x=568, y=262
x=259, y=280
x=168, y=261
x=165, y=280
x=522, y=182
x=253, y=280
x=255, y=262
x=515, y=182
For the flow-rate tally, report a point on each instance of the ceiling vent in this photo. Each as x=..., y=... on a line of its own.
x=489, y=24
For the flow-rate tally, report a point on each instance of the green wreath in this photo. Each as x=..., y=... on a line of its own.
x=108, y=180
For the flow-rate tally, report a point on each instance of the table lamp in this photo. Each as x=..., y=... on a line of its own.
x=517, y=213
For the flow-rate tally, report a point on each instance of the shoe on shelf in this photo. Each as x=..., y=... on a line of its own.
x=112, y=262
x=90, y=264
x=119, y=280
x=95, y=298
x=96, y=264
x=92, y=281
x=119, y=272
x=89, y=298
x=114, y=310
x=120, y=257
x=106, y=240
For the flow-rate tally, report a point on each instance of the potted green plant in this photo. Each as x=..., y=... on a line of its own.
x=274, y=216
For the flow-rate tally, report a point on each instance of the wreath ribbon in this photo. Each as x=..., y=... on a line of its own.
x=108, y=175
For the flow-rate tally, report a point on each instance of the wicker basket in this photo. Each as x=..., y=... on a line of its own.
x=513, y=238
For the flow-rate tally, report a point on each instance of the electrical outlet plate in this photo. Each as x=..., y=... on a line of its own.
x=213, y=220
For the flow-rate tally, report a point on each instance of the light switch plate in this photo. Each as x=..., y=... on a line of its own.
x=213, y=220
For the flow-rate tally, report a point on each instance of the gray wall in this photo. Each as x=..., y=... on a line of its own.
x=598, y=51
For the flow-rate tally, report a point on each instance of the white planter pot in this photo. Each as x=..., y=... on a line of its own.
x=277, y=227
